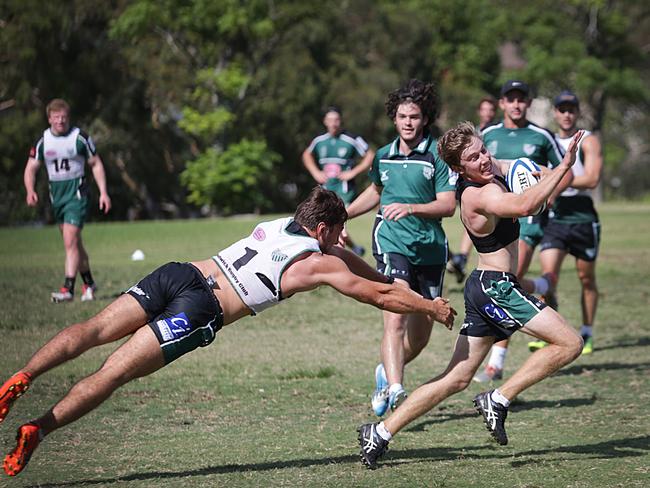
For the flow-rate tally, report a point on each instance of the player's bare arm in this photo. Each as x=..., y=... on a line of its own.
x=593, y=164
x=97, y=166
x=443, y=206
x=366, y=201
x=325, y=269
x=29, y=178
x=309, y=162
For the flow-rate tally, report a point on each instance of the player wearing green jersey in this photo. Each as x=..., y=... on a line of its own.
x=65, y=151
x=329, y=158
x=513, y=138
x=415, y=190
x=574, y=227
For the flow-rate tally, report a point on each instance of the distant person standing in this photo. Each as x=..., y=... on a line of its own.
x=574, y=227
x=330, y=157
x=65, y=150
x=487, y=110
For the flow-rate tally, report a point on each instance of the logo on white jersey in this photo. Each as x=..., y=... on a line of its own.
x=278, y=256
x=259, y=234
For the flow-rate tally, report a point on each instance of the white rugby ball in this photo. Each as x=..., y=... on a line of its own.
x=520, y=178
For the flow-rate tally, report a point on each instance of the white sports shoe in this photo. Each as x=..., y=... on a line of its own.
x=88, y=292
x=63, y=295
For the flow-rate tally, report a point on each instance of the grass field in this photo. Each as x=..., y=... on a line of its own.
x=276, y=399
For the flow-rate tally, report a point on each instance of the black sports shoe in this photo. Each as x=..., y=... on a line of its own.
x=372, y=445
x=494, y=416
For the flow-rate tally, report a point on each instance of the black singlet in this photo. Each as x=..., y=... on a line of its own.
x=506, y=230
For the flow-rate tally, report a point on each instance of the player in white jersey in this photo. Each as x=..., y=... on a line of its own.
x=181, y=306
x=65, y=151
x=574, y=226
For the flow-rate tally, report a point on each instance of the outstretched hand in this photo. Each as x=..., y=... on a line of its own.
x=444, y=313
x=570, y=156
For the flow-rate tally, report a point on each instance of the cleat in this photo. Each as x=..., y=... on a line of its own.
x=536, y=345
x=12, y=389
x=27, y=439
x=588, y=348
x=550, y=297
x=396, y=399
x=379, y=399
x=372, y=445
x=490, y=373
x=494, y=416
x=63, y=295
x=358, y=250
x=88, y=292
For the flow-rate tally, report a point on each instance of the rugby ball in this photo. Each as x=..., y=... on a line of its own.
x=520, y=177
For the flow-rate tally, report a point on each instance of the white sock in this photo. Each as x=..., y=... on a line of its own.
x=395, y=387
x=500, y=399
x=541, y=285
x=587, y=330
x=498, y=357
x=382, y=431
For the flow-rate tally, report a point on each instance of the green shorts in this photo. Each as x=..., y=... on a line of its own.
x=531, y=231
x=69, y=201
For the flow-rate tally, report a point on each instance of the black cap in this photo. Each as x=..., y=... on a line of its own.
x=332, y=108
x=567, y=97
x=515, y=85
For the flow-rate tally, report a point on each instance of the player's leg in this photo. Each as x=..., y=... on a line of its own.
x=393, y=353
x=89, y=287
x=119, y=319
x=587, y=274
x=141, y=355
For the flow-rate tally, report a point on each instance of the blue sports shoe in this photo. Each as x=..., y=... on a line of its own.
x=380, y=395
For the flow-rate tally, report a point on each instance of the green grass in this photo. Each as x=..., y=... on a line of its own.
x=275, y=400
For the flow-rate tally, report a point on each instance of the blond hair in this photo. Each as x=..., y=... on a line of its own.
x=453, y=142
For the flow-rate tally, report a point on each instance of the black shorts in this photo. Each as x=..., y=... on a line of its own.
x=579, y=240
x=427, y=280
x=496, y=305
x=181, y=308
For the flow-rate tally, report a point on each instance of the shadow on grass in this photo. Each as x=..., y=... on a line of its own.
x=578, y=369
x=639, y=341
x=619, y=448
x=517, y=406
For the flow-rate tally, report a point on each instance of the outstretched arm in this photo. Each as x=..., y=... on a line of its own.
x=323, y=269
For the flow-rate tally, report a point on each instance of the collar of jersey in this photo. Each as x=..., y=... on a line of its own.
x=421, y=148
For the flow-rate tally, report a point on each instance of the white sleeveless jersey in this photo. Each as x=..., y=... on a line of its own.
x=578, y=168
x=254, y=265
x=62, y=156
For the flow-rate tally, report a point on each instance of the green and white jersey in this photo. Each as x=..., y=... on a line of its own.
x=335, y=155
x=574, y=205
x=65, y=155
x=414, y=178
x=531, y=141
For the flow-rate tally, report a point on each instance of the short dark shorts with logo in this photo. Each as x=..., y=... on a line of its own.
x=496, y=305
x=427, y=280
x=182, y=309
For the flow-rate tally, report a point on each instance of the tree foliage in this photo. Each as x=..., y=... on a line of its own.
x=200, y=87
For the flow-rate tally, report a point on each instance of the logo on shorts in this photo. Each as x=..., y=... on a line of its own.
x=465, y=325
x=591, y=252
x=259, y=234
x=175, y=327
x=138, y=291
x=497, y=314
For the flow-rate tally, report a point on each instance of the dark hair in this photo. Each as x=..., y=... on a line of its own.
x=489, y=99
x=424, y=95
x=453, y=142
x=321, y=206
x=57, y=105
x=332, y=108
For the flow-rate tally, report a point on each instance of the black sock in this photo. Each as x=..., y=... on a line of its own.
x=87, y=277
x=69, y=284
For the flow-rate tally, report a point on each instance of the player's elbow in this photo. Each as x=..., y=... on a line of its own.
x=449, y=209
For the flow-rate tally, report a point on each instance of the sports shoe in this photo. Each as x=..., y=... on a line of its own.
x=395, y=399
x=494, y=416
x=13, y=388
x=27, y=441
x=550, y=297
x=379, y=399
x=371, y=444
x=490, y=373
x=358, y=250
x=88, y=292
x=536, y=345
x=588, y=348
x=63, y=295
x=456, y=266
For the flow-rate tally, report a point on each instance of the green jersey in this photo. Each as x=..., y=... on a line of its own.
x=417, y=177
x=336, y=154
x=574, y=206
